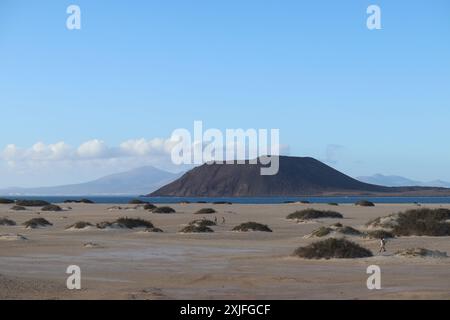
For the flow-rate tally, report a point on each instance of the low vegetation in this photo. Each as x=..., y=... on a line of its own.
x=333, y=204
x=154, y=229
x=126, y=223
x=365, y=203
x=163, y=210
x=52, y=207
x=423, y=222
x=194, y=228
x=379, y=234
x=203, y=222
x=333, y=248
x=336, y=228
x=252, y=226
x=314, y=214
x=7, y=222
x=421, y=252
x=36, y=223
x=222, y=202
x=32, y=203
x=206, y=211
x=6, y=201
x=149, y=206
x=18, y=208
x=80, y=225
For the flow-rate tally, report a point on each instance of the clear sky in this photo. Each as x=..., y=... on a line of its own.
x=365, y=101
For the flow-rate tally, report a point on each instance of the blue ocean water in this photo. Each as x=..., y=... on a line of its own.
x=242, y=200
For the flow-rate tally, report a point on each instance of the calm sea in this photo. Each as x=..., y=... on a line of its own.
x=261, y=200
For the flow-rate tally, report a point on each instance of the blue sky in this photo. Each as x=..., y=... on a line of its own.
x=364, y=101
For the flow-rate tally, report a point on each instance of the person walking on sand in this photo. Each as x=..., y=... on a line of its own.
x=382, y=245
x=223, y=220
x=215, y=219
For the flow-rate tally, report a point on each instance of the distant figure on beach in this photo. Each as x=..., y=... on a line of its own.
x=215, y=220
x=382, y=245
x=223, y=220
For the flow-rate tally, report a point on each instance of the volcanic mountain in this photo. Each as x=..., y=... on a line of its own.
x=297, y=176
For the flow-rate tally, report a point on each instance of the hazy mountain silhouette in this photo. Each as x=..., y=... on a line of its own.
x=134, y=182
x=297, y=176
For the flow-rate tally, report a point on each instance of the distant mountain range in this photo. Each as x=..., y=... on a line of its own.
x=397, y=181
x=135, y=182
x=297, y=176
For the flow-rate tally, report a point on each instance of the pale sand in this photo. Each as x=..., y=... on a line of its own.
x=131, y=264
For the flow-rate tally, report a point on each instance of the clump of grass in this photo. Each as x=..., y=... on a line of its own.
x=333, y=248
x=222, y=202
x=131, y=223
x=154, y=229
x=206, y=211
x=202, y=201
x=321, y=232
x=136, y=201
x=379, y=234
x=304, y=202
x=6, y=201
x=333, y=204
x=203, y=222
x=18, y=208
x=337, y=224
x=80, y=225
x=52, y=207
x=126, y=223
x=149, y=206
x=163, y=210
x=36, y=223
x=423, y=222
x=252, y=226
x=364, y=203
x=32, y=203
x=421, y=252
x=7, y=222
x=349, y=231
x=194, y=228
x=387, y=222
x=314, y=214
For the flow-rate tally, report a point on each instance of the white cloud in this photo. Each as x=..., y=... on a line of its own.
x=93, y=149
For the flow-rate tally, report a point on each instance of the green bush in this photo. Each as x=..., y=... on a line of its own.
x=365, y=203
x=321, y=232
x=6, y=201
x=32, y=203
x=80, y=225
x=206, y=211
x=423, y=222
x=314, y=214
x=37, y=222
x=6, y=222
x=163, y=210
x=333, y=248
x=131, y=223
x=51, y=207
x=196, y=229
x=252, y=226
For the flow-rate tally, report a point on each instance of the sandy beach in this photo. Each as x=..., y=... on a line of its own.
x=133, y=264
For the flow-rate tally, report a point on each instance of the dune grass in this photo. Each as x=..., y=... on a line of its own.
x=51, y=207
x=36, y=223
x=32, y=203
x=6, y=201
x=7, y=222
x=378, y=234
x=314, y=214
x=195, y=228
x=423, y=222
x=206, y=211
x=203, y=222
x=333, y=248
x=365, y=203
x=80, y=225
x=18, y=208
x=126, y=223
x=252, y=226
x=149, y=206
x=163, y=210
